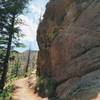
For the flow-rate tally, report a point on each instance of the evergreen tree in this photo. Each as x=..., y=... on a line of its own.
x=9, y=33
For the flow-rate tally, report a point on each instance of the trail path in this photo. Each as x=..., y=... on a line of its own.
x=23, y=92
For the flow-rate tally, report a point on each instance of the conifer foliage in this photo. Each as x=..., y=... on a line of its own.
x=9, y=32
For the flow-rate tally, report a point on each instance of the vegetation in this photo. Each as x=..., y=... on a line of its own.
x=9, y=32
x=46, y=86
x=17, y=70
x=10, y=60
x=7, y=93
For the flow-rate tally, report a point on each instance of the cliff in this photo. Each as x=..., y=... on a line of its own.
x=69, y=43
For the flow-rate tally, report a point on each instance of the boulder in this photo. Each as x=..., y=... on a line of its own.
x=69, y=43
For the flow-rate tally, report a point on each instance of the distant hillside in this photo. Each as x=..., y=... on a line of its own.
x=23, y=60
x=24, y=56
x=32, y=51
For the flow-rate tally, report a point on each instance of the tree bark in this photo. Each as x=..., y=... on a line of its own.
x=5, y=65
x=28, y=61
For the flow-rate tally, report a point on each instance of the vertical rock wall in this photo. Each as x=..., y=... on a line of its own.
x=69, y=42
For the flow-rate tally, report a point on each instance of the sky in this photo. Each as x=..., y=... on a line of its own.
x=36, y=8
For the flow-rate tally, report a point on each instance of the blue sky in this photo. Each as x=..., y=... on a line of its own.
x=36, y=8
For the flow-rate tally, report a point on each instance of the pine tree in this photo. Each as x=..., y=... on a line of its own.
x=9, y=33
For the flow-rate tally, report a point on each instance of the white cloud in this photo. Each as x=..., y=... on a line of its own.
x=28, y=28
x=31, y=21
x=36, y=9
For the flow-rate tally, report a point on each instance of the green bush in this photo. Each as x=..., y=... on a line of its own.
x=46, y=86
x=7, y=92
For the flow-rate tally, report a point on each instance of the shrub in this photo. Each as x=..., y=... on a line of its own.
x=7, y=92
x=46, y=86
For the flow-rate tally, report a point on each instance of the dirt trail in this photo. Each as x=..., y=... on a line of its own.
x=23, y=92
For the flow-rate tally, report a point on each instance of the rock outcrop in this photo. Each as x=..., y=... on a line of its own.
x=69, y=42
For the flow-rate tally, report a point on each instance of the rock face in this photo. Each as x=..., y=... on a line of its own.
x=69, y=42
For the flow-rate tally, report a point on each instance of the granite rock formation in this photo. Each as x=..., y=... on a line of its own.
x=69, y=43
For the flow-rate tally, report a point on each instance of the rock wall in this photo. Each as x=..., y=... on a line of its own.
x=69, y=42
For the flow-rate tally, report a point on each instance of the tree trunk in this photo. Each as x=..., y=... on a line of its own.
x=28, y=61
x=5, y=65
